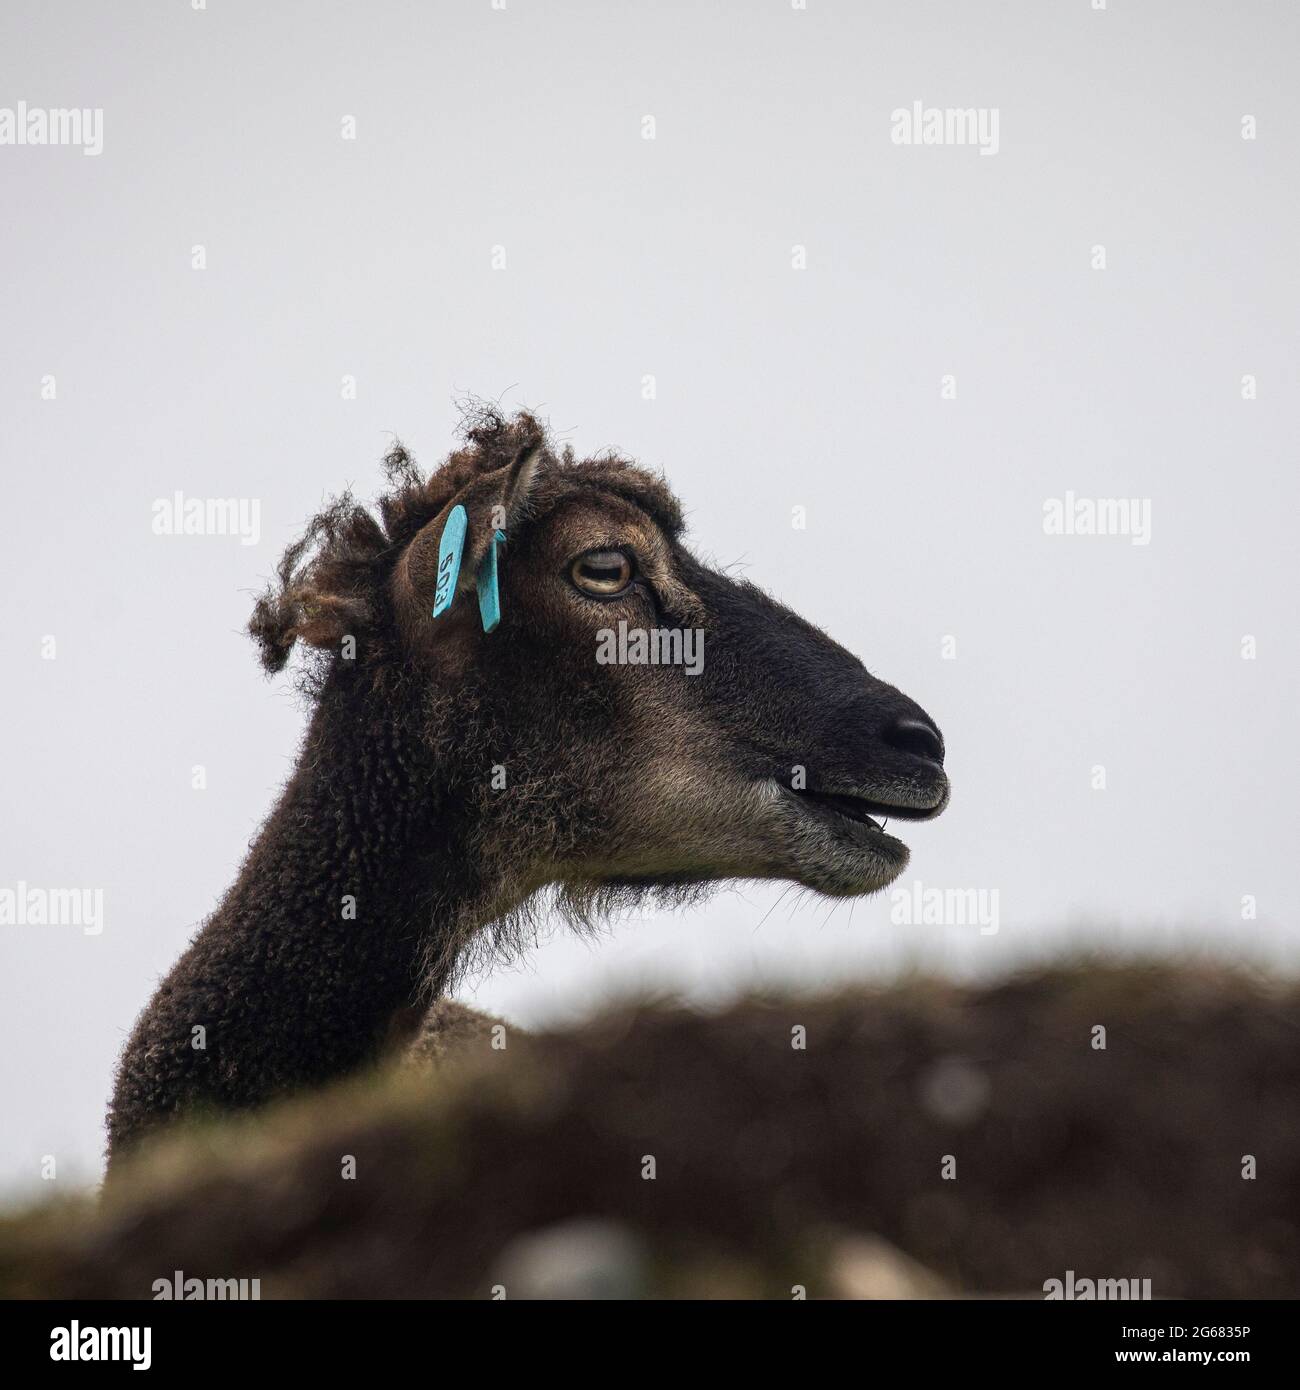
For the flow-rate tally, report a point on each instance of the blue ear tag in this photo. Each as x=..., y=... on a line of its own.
x=449, y=552
x=489, y=597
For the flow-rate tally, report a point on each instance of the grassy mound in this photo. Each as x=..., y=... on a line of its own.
x=529, y=1167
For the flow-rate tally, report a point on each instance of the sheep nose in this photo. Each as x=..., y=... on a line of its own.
x=918, y=737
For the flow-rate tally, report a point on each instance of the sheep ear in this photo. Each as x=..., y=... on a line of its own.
x=505, y=516
x=518, y=485
x=456, y=553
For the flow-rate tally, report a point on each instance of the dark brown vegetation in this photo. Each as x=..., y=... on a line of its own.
x=1125, y=1162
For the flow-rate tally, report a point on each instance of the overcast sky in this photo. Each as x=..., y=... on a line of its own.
x=920, y=345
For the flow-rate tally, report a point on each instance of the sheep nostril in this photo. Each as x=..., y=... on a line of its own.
x=915, y=736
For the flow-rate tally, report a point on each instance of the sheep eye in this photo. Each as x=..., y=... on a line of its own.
x=602, y=572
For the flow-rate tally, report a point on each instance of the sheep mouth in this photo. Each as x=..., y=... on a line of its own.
x=835, y=842
x=865, y=810
x=854, y=808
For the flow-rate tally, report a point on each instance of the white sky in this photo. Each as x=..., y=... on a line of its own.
x=776, y=388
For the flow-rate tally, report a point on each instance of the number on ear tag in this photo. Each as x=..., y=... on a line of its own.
x=489, y=595
x=450, y=548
